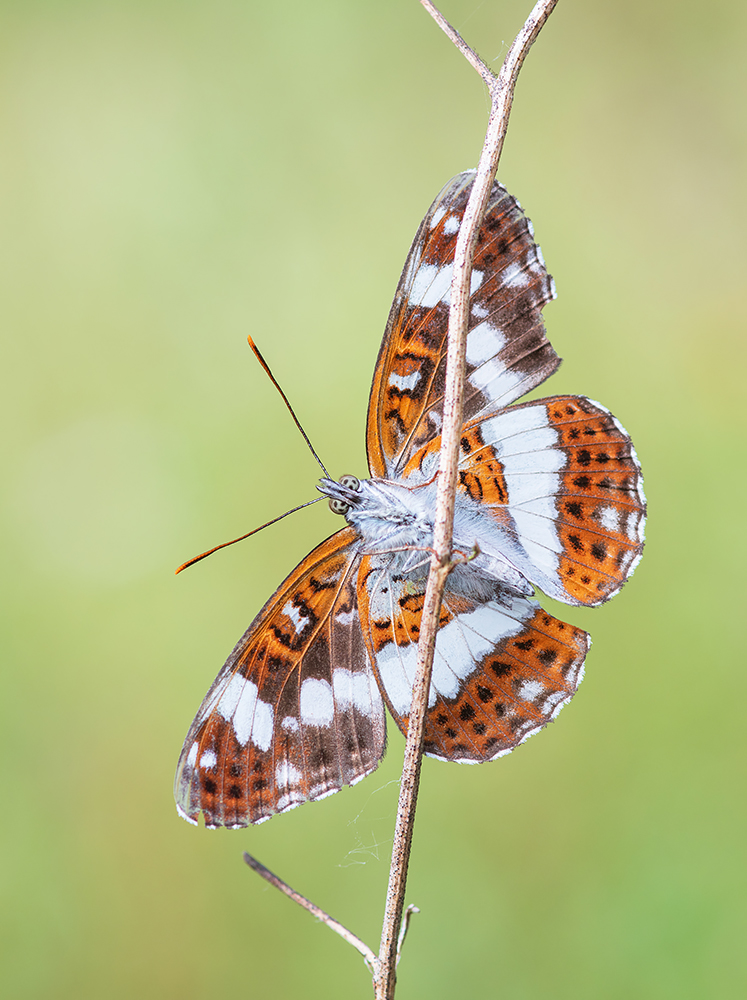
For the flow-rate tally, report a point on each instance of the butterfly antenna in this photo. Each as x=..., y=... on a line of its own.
x=285, y=400
x=223, y=545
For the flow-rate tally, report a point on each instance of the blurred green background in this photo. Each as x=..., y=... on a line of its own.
x=177, y=175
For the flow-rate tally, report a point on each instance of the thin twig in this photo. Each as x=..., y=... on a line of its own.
x=335, y=925
x=469, y=54
x=501, y=93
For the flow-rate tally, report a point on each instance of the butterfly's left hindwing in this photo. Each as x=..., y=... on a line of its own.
x=561, y=483
x=295, y=712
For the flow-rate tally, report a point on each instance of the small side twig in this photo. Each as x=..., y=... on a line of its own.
x=333, y=924
x=404, y=928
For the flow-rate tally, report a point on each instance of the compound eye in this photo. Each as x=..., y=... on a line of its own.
x=350, y=482
x=338, y=506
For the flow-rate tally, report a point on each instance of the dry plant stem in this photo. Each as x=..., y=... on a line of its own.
x=501, y=94
x=335, y=925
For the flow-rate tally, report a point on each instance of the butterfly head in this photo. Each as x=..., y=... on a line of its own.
x=380, y=508
x=343, y=495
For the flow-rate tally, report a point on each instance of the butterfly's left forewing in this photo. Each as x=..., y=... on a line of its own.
x=295, y=712
x=507, y=350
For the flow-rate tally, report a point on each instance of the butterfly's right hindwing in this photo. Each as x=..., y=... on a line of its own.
x=503, y=668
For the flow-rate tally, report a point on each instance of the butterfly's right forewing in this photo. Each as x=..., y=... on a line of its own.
x=295, y=712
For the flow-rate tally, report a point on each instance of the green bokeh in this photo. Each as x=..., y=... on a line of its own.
x=177, y=175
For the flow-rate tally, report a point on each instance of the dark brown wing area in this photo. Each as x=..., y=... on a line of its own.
x=507, y=350
x=295, y=712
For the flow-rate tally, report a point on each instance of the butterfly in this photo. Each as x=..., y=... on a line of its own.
x=549, y=496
